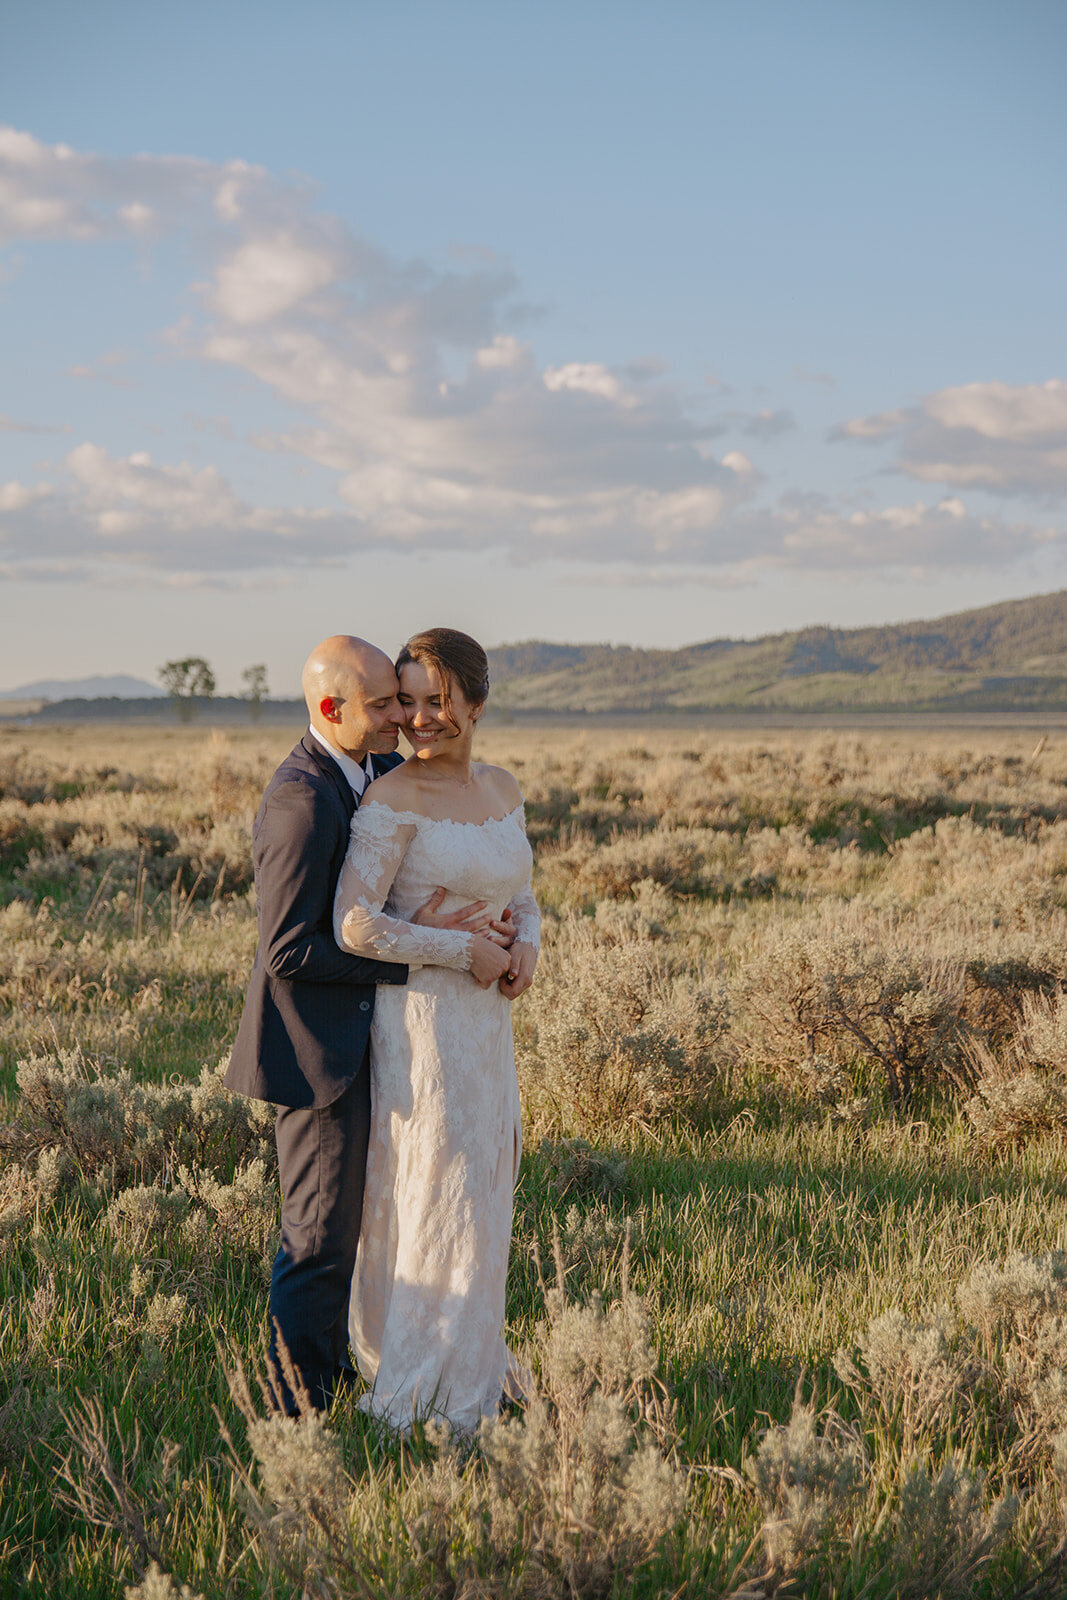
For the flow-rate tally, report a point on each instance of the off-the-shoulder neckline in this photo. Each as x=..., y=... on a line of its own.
x=449, y=822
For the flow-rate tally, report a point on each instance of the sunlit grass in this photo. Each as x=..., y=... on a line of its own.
x=774, y=1201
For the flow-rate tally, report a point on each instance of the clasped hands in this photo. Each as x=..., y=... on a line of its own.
x=496, y=955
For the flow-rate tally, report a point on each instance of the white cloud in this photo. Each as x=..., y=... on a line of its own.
x=586, y=377
x=769, y=424
x=503, y=352
x=132, y=514
x=1009, y=439
x=54, y=192
x=265, y=277
x=811, y=533
x=13, y=425
x=17, y=496
x=410, y=385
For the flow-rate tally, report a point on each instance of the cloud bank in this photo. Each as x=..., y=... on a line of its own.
x=1010, y=440
x=413, y=386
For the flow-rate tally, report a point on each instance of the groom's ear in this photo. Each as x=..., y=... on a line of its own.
x=330, y=708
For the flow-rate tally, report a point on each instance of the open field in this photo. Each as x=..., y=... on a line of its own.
x=799, y=1035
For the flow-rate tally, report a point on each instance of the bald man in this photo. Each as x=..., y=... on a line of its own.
x=305, y=1030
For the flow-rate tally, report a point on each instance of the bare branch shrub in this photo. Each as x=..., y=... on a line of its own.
x=836, y=996
x=97, y=1480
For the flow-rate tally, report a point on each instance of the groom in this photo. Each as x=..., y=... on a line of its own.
x=304, y=1037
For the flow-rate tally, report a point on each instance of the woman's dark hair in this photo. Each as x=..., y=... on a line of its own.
x=459, y=660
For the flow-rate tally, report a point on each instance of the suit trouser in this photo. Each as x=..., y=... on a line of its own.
x=322, y=1162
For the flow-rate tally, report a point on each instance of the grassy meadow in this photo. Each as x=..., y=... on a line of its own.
x=790, y=1250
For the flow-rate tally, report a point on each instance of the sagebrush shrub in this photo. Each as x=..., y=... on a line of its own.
x=612, y=1036
x=911, y=1369
x=115, y=1127
x=946, y=1530
x=807, y=1481
x=570, y=1497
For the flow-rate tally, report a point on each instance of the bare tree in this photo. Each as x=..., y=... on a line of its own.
x=256, y=691
x=187, y=681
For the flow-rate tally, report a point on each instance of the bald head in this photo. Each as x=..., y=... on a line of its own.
x=350, y=689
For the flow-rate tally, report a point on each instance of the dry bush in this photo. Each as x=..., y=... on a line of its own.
x=114, y=1127
x=807, y=1484
x=1017, y=1317
x=585, y=1480
x=570, y=1497
x=998, y=1370
x=947, y=1530
x=573, y=1169
x=615, y=1037
x=842, y=994
x=911, y=1370
x=1021, y=1088
x=682, y=860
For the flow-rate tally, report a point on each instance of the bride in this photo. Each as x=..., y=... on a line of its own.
x=428, y=1291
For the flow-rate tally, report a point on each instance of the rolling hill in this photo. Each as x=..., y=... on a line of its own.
x=1006, y=657
x=1011, y=656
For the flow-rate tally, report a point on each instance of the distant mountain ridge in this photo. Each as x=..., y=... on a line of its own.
x=1006, y=657
x=1002, y=657
x=120, y=686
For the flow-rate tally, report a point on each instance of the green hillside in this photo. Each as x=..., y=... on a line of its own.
x=1003, y=657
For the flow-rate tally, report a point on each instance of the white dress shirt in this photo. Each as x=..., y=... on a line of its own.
x=358, y=776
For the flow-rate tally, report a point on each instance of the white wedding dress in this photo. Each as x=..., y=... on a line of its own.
x=427, y=1304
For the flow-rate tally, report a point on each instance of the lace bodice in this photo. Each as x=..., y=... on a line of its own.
x=395, y=861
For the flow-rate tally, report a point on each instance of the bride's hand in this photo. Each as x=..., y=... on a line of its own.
x=466, y=919
x=520, y=974
x=488, y=961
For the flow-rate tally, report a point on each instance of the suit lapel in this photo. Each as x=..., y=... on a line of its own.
x=328, y=765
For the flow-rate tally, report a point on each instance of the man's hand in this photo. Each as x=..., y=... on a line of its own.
x=520, y=974
x=465, y=919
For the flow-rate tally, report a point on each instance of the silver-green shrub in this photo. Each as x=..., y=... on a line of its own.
x=946, y=1530
x=911, y=1370
x=807, y=1482
x=117, y=1127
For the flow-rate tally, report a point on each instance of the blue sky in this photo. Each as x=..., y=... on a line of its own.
x=647, y=323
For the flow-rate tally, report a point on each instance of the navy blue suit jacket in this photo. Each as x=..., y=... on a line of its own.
x=308, y=1010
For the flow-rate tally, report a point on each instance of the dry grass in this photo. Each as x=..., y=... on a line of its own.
x=799, y=1035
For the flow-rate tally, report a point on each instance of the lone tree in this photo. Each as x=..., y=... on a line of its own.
x=256, y=691
x=186, y=682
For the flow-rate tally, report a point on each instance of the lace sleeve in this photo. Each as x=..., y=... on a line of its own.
x=525, y=915
x=375, y=851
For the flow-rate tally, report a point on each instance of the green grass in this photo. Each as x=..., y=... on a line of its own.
x=766, y=1234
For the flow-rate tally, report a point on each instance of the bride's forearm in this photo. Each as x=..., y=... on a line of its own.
x=375, y=933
